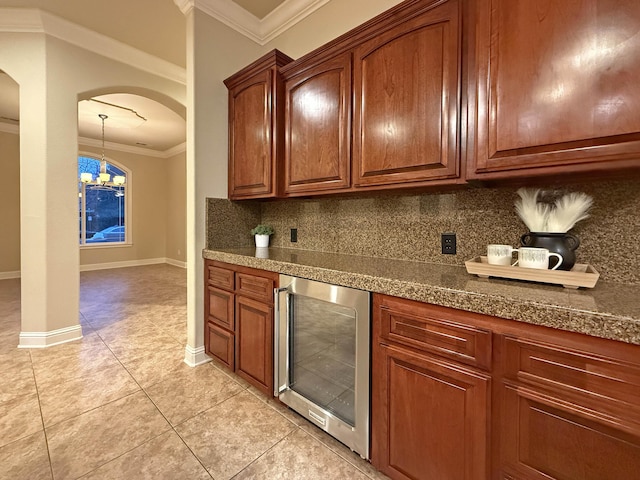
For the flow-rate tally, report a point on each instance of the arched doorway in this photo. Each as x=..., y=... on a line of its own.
x=9, y=214
x=144, y=135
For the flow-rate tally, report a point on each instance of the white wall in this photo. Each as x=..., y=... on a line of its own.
x=9, y=204
x=176, y=213
x=214, y=52
x=333, y=19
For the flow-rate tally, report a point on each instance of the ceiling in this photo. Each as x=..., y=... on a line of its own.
x=135, y=23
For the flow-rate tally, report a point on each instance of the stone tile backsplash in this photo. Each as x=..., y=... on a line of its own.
x=408, y=227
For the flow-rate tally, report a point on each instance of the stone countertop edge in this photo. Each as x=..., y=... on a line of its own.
x=538, y=304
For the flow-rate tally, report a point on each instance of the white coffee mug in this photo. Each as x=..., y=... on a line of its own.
x=500, y=254
x=533, y=257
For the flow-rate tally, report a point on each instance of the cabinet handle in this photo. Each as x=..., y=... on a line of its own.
x=276, y=340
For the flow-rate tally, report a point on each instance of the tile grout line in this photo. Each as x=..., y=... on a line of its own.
x=44, y=428
x=268, y=450
x=141, y=389
x=190, y=418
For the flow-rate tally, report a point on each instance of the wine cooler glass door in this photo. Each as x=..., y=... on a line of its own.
x=322, y=357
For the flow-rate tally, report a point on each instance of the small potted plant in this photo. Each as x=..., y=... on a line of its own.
x=261, y=233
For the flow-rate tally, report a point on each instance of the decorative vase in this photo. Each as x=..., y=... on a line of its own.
x=564, y=244
x=262, y=241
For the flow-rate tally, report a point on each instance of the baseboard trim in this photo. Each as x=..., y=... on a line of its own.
x=195, y=356
x=48, y=339
x=123, y=264
x=107, y=266
x=175, y=263
x=9, y=275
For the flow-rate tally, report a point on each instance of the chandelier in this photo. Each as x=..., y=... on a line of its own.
x=103, y=179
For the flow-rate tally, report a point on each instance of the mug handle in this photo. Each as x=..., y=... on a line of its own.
x=572, y=240
x=560, y=259
x=517, y=259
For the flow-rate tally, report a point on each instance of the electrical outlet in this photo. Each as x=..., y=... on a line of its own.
x=449, y=243
x=294, y=235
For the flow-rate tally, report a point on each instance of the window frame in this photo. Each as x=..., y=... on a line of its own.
x=128, y=236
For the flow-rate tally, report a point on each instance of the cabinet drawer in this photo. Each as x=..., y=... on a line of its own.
x=260, y=288
x=221, y=308
x=221, y=278
x=577, y=375
x=221, y=344
x=417, y=325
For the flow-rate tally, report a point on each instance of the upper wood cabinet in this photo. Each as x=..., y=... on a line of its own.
x=378, y=107
x=318, y=127
x=255, y=117
x=556, y=88
x=406, y=93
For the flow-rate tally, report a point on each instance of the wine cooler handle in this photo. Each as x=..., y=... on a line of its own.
x=277, y=388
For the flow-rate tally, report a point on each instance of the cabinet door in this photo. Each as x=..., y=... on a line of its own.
x=254, y=343
x=429, y=417
x=221, y=305
x=220, y=344
x=317, y=126
x=406, y=93
x=251, y=148
x=557, y=89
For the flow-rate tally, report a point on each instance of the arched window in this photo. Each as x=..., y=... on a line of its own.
x=102, y=205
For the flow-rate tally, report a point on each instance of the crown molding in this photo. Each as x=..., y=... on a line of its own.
x=32, y=20
x=232, y=15
x=285, y=16
x=185, y=6
x=180, y=148
x=119, y=147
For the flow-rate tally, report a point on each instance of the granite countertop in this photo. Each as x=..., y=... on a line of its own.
x=608, y=311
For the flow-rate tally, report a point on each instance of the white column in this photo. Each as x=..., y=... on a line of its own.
x=194, y=351
x=49, y=252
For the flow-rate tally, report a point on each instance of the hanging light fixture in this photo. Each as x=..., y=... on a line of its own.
x=103, y=178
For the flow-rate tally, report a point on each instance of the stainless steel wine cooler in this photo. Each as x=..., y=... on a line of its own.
x=321, y=357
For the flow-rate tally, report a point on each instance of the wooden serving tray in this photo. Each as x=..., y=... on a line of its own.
x=581, y=275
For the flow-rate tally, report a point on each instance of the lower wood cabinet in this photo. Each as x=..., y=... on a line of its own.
x=566, y=410
x=239, y=321
x=457, y=395
x=429, y=413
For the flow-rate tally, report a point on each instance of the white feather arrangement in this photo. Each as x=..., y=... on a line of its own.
x=557, y=218
x=533, y=214
x=569, y=210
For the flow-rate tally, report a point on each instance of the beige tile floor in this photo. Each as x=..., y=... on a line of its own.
x=121, y=403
